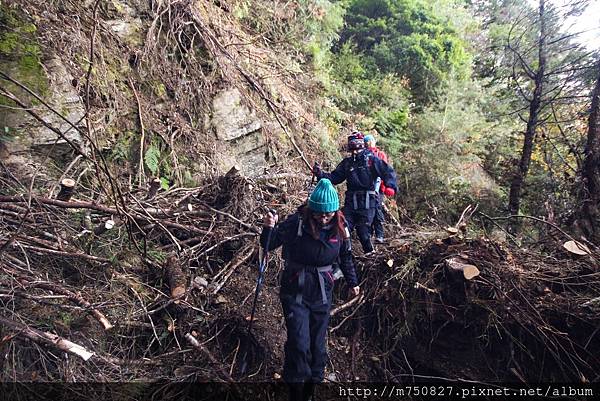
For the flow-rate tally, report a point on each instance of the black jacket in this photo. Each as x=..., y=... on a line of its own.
x=360, y=173
x=305, y=250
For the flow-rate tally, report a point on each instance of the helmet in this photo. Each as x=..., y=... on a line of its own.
x=356, y=141
x=369, y=138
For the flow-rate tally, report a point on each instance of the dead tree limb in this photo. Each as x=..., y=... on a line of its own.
x=248, y=226
x=77, y=298
x=60, y=253
x=345, y=306
x=176, y=279
x=200, y=347
x=44, y=337
x=143, y=134
x=240, y=258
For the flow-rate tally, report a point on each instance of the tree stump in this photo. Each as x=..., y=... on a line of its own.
x=154, y=187
x=67, y=187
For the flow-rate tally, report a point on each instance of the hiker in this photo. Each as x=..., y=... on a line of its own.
x=361, y=171
x=313, y=239
x=379, y=218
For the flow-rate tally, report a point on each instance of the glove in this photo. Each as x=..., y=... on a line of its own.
x=270, y=219
x=317, y=170
x=389, y=192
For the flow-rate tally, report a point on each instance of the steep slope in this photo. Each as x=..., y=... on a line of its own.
x=147, y=273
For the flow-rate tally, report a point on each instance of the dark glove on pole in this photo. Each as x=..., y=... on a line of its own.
x=261, y=269
x=316, y=171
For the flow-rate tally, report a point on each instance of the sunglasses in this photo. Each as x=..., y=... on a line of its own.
x=317, y=214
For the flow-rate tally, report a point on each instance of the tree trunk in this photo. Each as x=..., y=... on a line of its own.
x=590, y=207
x=535, y=106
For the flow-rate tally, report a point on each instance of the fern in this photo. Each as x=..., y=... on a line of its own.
x=152, y=159
x=164, y=183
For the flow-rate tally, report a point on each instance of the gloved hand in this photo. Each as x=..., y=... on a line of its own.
x=316, y=170
x=270, y=219
x=389, y=192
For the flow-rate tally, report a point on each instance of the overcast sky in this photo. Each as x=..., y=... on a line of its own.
x=588, y=23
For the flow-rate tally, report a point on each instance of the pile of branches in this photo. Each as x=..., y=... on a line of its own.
x=142, y=288
x=448, y=307
x=158, y=284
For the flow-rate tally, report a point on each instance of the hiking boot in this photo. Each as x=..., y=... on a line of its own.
x=379, y=240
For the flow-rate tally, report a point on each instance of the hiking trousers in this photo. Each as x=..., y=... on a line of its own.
x=378, y=221
x=362, y=219
x=306, y=345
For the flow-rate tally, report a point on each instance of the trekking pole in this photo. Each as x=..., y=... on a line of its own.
x=261, y=269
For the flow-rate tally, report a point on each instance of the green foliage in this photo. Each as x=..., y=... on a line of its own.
x=309, y=27
x=156, y=255
x=121, y=150
x=151, y=158
x=157, y=160
x=164, y=183
x=409, y=39
x=20, y=53
x=441, y=156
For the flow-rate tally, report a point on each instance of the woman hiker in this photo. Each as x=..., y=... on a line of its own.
x=313, y=239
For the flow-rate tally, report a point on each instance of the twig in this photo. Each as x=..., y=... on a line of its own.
x=522, y=216
x=143, y=135
x=196, y=344
x=48, y=338
x=345, y=306
x=240, y=258
x=61, y=253
x=77, y=298
x=248, y=226
x=350, y=315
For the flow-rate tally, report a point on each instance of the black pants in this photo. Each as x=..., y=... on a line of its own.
x=362, y=219
x=378, y=221
x=306, y=322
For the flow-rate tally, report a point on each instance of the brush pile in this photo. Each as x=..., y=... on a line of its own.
x=159, y=287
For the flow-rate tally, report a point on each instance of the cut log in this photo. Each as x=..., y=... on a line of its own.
x=233, y=172
x=175, y=278
x=104, y=227
x=67, y=187
x=452, y=230
x=468, y=271
x=154, y=187
x=576, y=248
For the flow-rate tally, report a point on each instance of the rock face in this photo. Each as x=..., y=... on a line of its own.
x=232, y=130
x=62, y=96
x=125, y=21
x=239, y=133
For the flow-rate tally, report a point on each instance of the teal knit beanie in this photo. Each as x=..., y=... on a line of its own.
x=324, y=198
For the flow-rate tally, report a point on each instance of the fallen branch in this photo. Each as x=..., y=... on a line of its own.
x=345, y=306
x=44, y=337
x=240, y=258
x=77, y=298
x=248, y=226
x=196, y=344
x=60, y=253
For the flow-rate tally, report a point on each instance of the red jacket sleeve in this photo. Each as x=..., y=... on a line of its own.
x=381, y=154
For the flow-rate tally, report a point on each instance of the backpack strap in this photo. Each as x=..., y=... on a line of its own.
x=299, y=231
